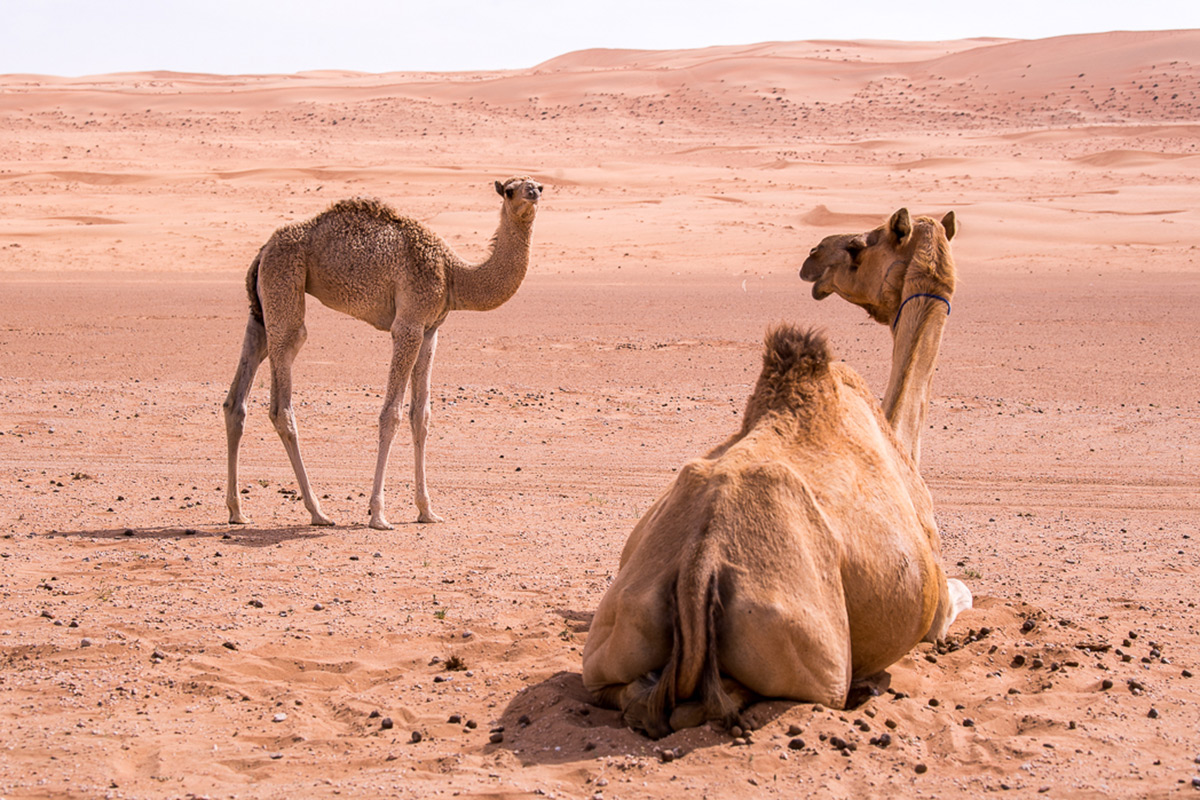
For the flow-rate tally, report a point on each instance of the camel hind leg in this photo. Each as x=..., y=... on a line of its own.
x=283, y=347
x=254, y=350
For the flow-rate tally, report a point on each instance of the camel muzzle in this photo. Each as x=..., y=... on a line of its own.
x=811, y=270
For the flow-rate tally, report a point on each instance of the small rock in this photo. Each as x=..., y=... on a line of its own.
x=47, y=614
x=229, y=645
x=280, y=717
x=1028, y=625
x=891, y=723
x=1106, y=684
x=416, y=737
x=386, y=724
x=318, y=607
x=968, y=723
x=796, y=744
x=496, y=738
x=523, y=720
x=666, y=756
x=1187, y=673
x=455, y=719
x=794, y=730
x=934, y=702
x=882, y=740
x=256, y=603
x=1196, y=783
x=85, y=642
x=1152, y=713
x=920, y=769
x=374, y=714
x=1018, y=660
x=276, y=756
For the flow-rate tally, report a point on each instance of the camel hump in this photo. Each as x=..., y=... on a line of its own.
x=365, y=206
x=790, y=351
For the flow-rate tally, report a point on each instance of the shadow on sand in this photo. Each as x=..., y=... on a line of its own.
x=248, y=536
x=556, y=722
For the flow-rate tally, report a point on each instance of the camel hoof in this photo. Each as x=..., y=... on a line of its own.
x=429, y=516
x=380, y=524
x=238, y=519
x=322, y=520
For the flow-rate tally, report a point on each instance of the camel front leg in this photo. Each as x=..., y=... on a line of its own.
x=254, y=350
x=284, y=419
x=418, y=412
x=406, y=344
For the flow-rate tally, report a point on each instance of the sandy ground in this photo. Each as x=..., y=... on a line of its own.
x=148, y=649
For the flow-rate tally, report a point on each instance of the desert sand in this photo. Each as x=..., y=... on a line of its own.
x=150, y=650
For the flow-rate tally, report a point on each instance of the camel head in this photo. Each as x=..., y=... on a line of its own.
x=521, y=197
x=868, y=269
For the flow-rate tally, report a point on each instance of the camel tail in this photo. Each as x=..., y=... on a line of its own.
x=716, y=702
x=693, y=668
x=256, y=310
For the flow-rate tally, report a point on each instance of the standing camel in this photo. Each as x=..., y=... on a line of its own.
x=359, y=257
x=902, y=274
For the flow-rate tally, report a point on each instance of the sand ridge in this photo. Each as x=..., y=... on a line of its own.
x=149, y=650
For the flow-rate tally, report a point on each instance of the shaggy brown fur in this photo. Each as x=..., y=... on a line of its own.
x=362, y=258
x=796, y=557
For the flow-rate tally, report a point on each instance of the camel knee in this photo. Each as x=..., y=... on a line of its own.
x=418, y=419
x=235, y=414
x=389, y=419
x=285, y=423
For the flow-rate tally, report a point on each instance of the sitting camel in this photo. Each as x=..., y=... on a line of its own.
x=359, y=257
x=902, y=273
x=793, y=560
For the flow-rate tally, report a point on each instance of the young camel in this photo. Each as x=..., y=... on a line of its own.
x=793, y=560
x=392, y=272
x=903, y=274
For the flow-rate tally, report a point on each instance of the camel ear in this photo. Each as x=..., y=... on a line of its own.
x=950, y=224
x=500, y=188
x=900, y=224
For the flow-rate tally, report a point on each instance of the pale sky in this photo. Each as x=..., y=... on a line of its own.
x=84, y=37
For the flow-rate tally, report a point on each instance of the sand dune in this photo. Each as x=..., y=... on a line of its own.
x=147, y=649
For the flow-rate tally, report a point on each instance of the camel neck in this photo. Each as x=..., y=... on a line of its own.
x=916, y=339
x=485, y=286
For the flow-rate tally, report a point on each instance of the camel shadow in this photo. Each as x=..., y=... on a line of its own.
x=556, y=722
x=243, y=536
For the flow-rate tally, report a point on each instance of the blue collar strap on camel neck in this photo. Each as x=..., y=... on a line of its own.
x=921, y=294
